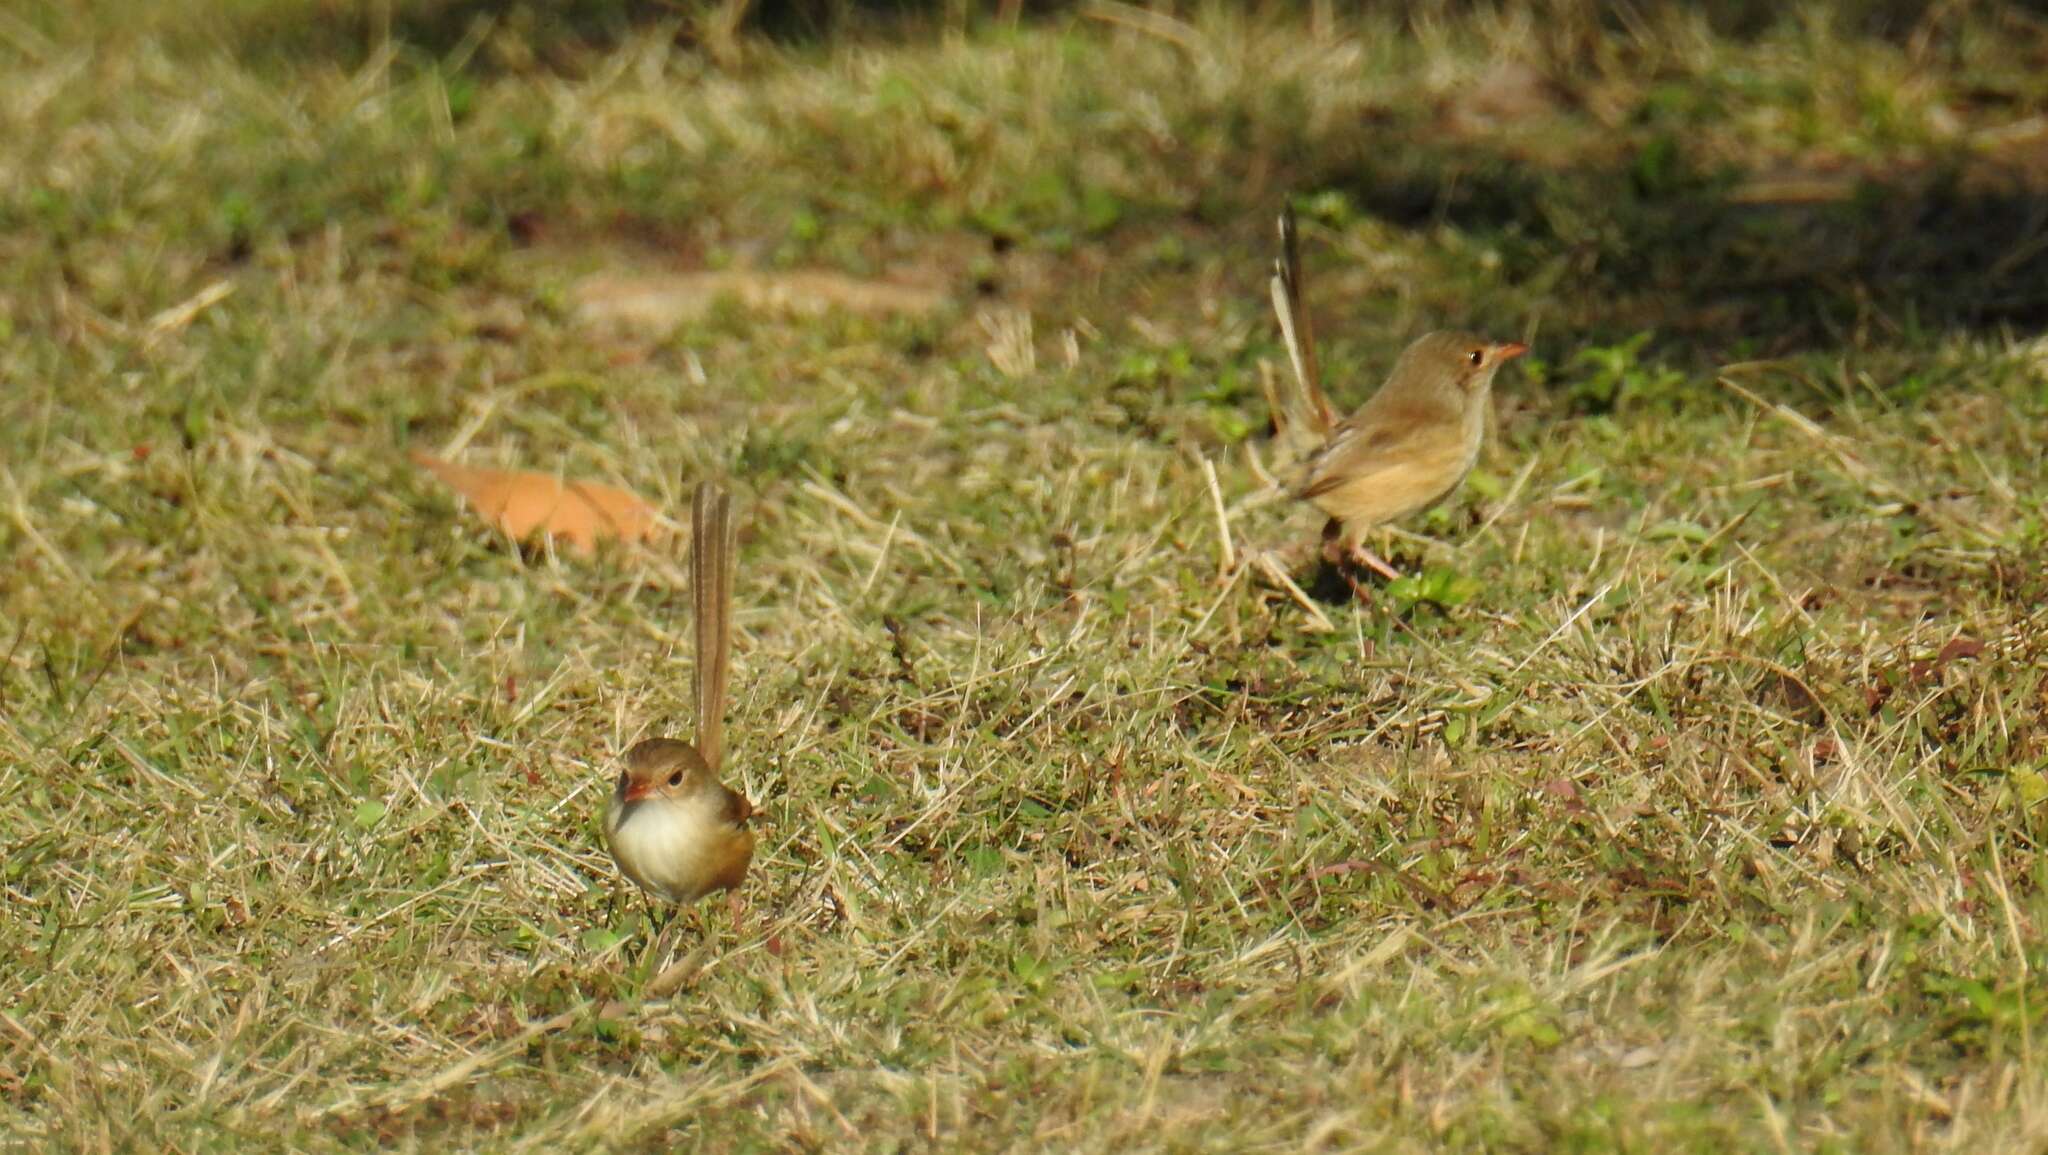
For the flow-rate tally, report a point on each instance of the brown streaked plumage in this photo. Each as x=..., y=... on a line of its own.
x=672, y=826
x=1412, y=442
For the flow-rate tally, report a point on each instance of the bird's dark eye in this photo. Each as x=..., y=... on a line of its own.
x=676, y=779
x=1478, y=356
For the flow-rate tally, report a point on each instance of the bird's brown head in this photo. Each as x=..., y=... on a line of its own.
x=1451, y=360
x=663, y=768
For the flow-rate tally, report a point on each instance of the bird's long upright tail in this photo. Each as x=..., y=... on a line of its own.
x=1295, y=328
x=711, y=591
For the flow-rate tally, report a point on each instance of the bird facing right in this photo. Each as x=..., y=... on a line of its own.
x=1409, y=445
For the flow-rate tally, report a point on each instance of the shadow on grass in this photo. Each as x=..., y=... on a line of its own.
x=302, y=27
x=558, y=34
x=1728, y=263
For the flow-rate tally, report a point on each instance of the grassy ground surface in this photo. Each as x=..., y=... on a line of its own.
x=1687, y=799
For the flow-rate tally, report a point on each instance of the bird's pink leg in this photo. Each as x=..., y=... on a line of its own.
x=1343, y=549
x=1371, y=561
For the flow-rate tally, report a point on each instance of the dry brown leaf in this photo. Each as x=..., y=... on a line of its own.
x=1959, y=648
x=662, y=300
x=525, y=504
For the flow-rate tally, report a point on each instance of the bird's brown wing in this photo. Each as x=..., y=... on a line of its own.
x=728, y=867
x=734, y=848
x=1348, y=453
x=1386, y=463
x=1387, y=430
x=733, y=806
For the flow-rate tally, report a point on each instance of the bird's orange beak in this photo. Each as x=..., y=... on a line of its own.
x=1511, y=350
x=635, y=791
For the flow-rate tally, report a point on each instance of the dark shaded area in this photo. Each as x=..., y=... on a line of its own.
x=560, y=30
x=559, y=35
x=1738, y=264
x=1896, y=21
x=1627, y=227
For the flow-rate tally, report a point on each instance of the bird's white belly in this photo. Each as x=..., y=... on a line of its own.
x=665, y=845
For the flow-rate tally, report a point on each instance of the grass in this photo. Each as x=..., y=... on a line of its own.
x=1688, y=799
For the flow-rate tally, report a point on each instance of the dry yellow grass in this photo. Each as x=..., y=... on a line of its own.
x=1684, y=800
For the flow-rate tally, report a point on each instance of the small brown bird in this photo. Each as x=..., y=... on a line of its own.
x=673, y=827
x=1412, y=442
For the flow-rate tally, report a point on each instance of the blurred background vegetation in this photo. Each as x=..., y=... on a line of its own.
x=1741, y=177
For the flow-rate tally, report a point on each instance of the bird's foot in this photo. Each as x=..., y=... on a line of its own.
x=1371, y=561
x=1346, y=557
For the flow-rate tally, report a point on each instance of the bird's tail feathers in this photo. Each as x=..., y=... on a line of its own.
x=1311, y=403
x=711, y=591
